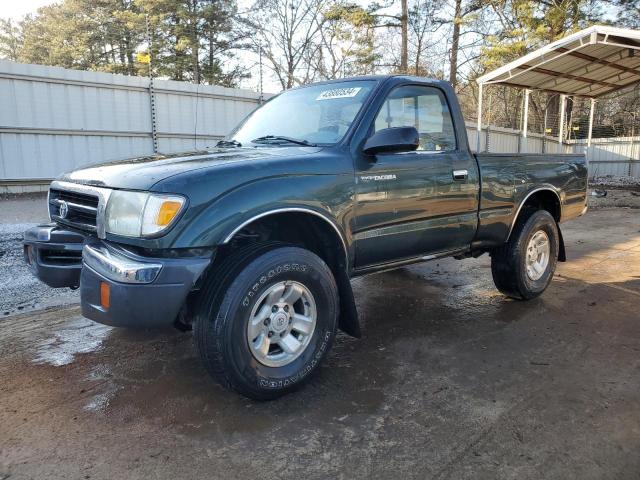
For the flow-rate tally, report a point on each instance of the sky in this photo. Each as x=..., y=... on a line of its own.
x=17, y=8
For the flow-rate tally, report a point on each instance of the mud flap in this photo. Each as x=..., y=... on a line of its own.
x=348, y=321
x=562, y=254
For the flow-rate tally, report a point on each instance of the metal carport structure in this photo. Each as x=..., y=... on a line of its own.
x=590, y=63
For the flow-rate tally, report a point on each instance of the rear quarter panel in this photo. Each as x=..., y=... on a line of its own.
x=508, y=179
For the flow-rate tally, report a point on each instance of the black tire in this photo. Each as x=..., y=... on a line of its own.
x=508, y=263
x=225, y=305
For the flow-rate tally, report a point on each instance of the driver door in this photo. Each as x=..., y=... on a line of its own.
x=417, y=203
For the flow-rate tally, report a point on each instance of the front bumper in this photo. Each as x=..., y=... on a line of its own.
x=54, y=255
x=143, y=292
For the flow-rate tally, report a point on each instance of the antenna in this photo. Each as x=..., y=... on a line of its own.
x=195, y=123
x=260, y=99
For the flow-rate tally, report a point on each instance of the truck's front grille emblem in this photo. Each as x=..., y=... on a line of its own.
x=78, y=210
x=63, y=208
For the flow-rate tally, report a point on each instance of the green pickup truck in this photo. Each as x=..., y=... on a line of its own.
x=253, y=243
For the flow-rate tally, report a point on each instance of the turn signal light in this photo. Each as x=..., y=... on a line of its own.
x=105, y=295
x=168, y=210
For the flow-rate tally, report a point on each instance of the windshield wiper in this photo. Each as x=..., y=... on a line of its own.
x=281, y=138
x=228, y=143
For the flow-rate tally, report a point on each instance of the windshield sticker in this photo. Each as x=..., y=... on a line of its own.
x=339, y=93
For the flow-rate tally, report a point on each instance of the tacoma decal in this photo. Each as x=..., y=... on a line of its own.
x=378, y=178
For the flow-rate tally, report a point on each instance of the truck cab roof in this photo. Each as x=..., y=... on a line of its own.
x=395, y=78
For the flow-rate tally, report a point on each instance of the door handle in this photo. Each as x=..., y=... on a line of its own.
x=460, y=174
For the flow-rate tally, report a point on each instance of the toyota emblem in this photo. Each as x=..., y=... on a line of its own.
x=63, y=209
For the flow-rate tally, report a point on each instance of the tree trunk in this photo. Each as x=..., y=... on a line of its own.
x=130, y=63
x=194, y=59
x=568, y=117
x=195, y=44
x=455, y=44
x=404, y=54
x=211, y=57
x=121, y=54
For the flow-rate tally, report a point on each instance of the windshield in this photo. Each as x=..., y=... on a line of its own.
x=314, y=115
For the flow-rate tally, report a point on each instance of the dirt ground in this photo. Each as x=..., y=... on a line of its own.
x=451, y=381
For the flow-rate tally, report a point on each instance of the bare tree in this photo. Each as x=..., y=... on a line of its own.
x=462, y=13
x=346, y=42
x=421, y=39
x=404, y=51
x=288, y=32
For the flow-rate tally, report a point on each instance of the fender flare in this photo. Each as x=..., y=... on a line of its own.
x=524, y=200
x=275, y=211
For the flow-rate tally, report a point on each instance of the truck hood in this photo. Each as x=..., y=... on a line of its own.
x=142, y=173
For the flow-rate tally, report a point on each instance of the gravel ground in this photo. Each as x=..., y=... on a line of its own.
x=23, y=208
x=609, y=181
x=20, y=291
x=616, y=198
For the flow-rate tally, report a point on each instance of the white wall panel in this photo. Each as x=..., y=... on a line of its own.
x=53, y=120
x=619, y=157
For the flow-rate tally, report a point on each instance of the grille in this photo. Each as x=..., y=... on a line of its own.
x=61, y=257
x=81, y=209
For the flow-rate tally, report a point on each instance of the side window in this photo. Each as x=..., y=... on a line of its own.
x=424, y=108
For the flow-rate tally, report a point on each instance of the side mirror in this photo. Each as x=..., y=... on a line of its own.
x=395, y=139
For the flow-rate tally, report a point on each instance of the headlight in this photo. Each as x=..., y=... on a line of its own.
x=141, y=214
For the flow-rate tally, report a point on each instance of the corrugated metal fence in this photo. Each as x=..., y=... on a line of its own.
x=505, y=140
x=619, y=157
x=53, y=119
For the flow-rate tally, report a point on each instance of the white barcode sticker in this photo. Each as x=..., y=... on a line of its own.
x=339, y=93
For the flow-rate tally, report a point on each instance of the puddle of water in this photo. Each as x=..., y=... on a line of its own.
x=78, y=336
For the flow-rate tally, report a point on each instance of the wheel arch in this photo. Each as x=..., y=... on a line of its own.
x=319, y=234
x=278, y=211
x=543, y=198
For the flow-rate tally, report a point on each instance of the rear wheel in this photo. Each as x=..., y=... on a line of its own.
x=266, y=319
x=524, y=266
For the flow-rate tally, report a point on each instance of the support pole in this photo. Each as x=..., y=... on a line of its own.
x=525, y=123
x=593, y=107
x=563, y=102
x=631, y=150
x=152, y=93
x=544, y=130
x=479, y=125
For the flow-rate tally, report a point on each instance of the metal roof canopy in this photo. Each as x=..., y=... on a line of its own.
x=590, y=63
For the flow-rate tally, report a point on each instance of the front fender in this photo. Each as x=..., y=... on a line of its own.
x=329, y=196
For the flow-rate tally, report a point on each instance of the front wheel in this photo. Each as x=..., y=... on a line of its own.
x=266, y=319
x=524, y=266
